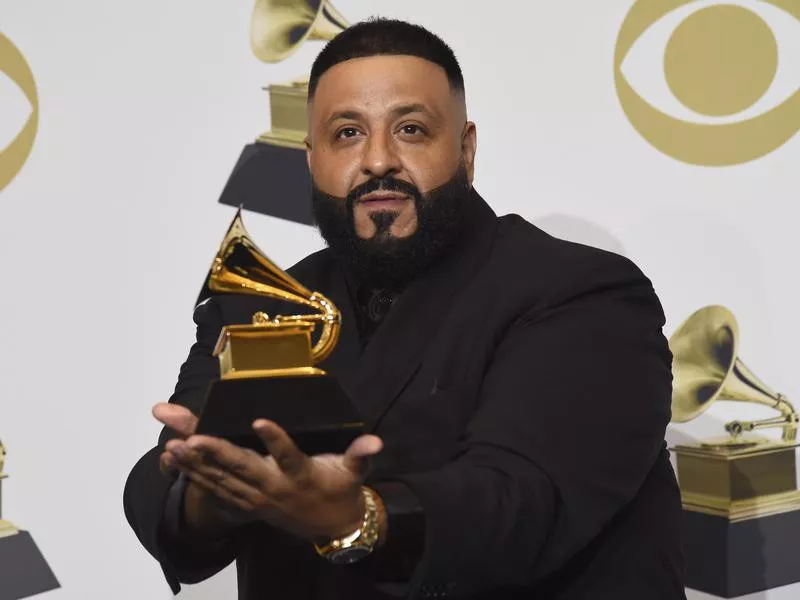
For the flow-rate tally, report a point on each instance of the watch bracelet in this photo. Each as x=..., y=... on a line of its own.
x=365, y=536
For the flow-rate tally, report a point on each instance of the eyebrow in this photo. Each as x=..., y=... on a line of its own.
x=343, y=115
x=399, y=111
x=406, y=109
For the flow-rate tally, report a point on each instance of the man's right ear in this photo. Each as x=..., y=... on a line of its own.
x=308, y=152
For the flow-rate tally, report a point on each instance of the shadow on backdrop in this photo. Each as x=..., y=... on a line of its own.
x=575, y=229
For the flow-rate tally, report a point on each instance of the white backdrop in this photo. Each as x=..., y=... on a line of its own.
x=108, y=230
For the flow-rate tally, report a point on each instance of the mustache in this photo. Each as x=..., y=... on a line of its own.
x=384, y=184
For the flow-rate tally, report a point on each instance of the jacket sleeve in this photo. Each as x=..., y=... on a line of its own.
x=150, y=498
x=573, y=391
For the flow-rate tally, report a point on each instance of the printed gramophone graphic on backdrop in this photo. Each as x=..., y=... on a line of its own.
x=271, y=176
x=739, y=491
x=23, y=570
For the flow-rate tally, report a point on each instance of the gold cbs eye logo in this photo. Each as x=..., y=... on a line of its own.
x=725, y=92
x=14, y=155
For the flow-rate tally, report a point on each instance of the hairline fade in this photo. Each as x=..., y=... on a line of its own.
x=386, y=37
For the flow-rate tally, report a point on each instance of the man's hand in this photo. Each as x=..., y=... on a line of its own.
x=182, y=421
x=315, y=497
x=204, y=512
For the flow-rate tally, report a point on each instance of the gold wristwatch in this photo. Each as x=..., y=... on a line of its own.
x=359, y=544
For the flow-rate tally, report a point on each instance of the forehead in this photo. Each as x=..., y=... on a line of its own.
x=374, y=81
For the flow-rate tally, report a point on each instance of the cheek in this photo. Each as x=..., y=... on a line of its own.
x=433, y=166
x=333, y=172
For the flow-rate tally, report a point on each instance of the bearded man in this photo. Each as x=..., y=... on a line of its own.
x=515, y=387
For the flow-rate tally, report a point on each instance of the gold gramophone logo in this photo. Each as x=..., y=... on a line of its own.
x=726, y=90
x=14, y=67
x=278, y=29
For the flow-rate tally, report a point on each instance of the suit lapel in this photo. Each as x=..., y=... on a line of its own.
x=398, y=346
x=344, y=360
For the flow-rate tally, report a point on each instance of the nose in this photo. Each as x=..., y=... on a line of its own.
x=380, y=157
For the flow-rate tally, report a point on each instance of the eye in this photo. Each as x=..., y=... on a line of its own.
x=694, y=90
x=347, y=132
x=412, y=131
x=20, y=115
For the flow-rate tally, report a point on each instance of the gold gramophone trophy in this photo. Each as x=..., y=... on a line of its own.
x=23, y=570
x=271, y=175
x=267, y=367
x=739, y=492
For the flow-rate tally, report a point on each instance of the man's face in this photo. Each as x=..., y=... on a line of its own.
x=392, y=117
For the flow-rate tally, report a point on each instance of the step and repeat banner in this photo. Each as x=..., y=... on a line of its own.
x=663, y=130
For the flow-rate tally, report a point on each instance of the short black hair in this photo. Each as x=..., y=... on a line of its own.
x=379, y=36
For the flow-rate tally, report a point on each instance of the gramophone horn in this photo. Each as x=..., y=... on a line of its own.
x=279, y=27
x=240, y=267
x=706, y=367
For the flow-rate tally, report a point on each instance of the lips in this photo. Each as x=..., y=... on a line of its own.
x=382, y=197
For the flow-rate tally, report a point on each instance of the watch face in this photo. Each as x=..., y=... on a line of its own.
x=349, y=555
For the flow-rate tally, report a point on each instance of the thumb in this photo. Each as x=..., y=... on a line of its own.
x=356, y=457
x=176, y=417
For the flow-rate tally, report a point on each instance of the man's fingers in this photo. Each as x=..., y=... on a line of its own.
x=243, y=463
x=230, y=483
x=178, y=418
x=221, y=492
x=356, y=458
x=183, y=455
x=281, y=447
x=166, y=464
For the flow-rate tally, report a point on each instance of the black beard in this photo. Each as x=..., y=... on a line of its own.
x=384, y=261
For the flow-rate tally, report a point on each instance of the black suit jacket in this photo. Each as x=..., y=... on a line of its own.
x=522, y=389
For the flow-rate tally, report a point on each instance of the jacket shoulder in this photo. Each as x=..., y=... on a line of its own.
x=313, y=267
x=556, y=270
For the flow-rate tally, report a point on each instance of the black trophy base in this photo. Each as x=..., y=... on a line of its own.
x=733, y=559
x=271, y=180
x=23, y=570
x=314, y=410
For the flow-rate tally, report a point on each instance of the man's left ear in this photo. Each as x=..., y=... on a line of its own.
x=469, y=146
